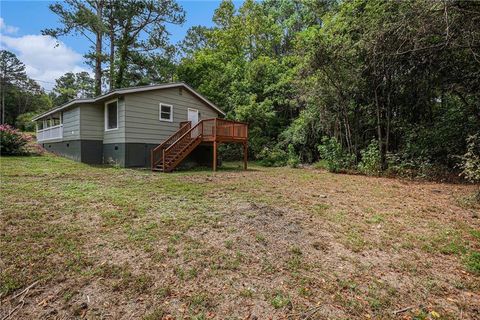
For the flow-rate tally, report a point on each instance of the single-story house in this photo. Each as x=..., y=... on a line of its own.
x=157, y=126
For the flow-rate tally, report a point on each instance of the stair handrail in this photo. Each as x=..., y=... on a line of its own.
x=185, y=134
x=179, y=140
x=173, y=137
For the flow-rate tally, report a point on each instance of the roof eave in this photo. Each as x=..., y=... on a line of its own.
x=63, y=106
x=127, y=91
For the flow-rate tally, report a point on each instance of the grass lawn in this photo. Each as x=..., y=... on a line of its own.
x=269, y=243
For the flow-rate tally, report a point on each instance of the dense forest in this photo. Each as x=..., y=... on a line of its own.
x=375, y=86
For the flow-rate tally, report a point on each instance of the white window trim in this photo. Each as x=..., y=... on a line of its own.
x=106, y=115
x=160, y=112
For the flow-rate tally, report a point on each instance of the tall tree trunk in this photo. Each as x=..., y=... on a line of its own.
x=98, y=51
x=3, y=103
x=112, y=47
x=122, y=56
x=379, y=129
x=387, y=126
x=112, y=61
x=356, y=130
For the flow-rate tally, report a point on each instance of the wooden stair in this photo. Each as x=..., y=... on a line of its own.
x=168, y=155
x=177, y=147
x=172, y=160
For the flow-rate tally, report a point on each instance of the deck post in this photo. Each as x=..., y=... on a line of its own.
x=245, y=155
x=151, y=159
x=215, y=155
x=164, y=168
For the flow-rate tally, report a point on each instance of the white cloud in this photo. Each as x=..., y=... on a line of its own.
x=45, y=58
x=6, y=28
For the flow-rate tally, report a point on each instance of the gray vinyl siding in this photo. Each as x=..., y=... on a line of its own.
x=92, y=122
x=71, y=124
x=142, y=124
x=117, y=135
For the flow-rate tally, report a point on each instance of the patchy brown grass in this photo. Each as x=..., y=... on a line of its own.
x=273, y=243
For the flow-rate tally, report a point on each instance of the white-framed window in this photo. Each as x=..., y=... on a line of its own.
x=166, y=112
x=53, y=120
x=111, y=115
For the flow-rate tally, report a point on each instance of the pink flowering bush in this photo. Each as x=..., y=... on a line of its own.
x=12, y=141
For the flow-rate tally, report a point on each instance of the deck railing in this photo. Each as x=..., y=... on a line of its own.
x=55, y=132
x=226, y=130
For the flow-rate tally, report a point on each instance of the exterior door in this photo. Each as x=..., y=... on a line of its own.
x=193, y=116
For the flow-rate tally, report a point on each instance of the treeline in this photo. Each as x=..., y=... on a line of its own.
x=22, y=97
x=373, y=86
x=370, y=85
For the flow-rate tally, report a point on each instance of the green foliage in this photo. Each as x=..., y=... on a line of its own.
x=12, y=141
x=273, y=157
x=24, y=122
x=337, y=160
x=277, y=157
x=470, y=161
x=393, y=72
x=242, y=65
x=71, y=86
x=19, y=93
x=304, y=133
x=139, y=51
x=293, y=159
x=400, y=164
x=361, y=81
x=261, y=118
x=370, y=163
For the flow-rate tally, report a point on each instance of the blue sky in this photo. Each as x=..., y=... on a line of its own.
x=21, y=23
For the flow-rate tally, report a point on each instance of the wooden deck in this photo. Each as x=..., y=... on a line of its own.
x=172, y=151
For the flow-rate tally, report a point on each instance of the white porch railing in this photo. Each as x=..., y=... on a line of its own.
x=55, y=132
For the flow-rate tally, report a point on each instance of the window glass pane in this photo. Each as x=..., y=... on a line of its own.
x=112, y=115
x=165, y=112
x=166, y=115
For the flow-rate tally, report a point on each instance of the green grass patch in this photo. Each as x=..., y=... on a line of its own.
x=280, y=300
x=320, y=208
x=472, y=261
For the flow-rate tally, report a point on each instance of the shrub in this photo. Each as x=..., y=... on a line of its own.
x=371, y=162
x=400, y=164
x=293, y=158
x=335, y=157
x=470, y=162
x=12, y=141
x=24, y=122
x=273, y=157
x=230, y=152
